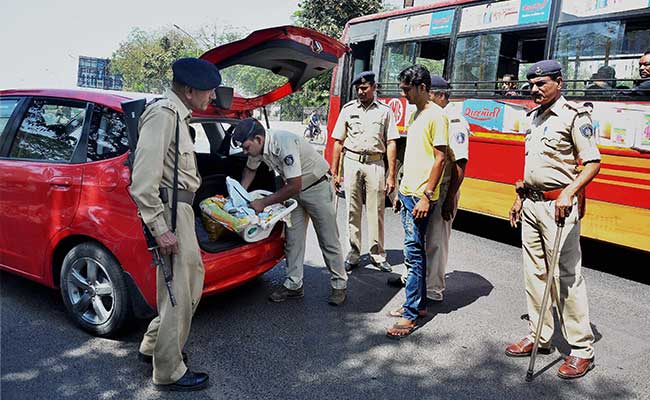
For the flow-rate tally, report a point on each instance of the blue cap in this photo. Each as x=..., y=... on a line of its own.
x=195, y=73
x=438, y=82
x=364, y=77
x=544, y=68
x=246, y=129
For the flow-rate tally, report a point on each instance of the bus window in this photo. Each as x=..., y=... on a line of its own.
x=587, y=50
x=397, y=57
x=362, y=53
x=487, y=58
x=432, y=55
x=476, y=59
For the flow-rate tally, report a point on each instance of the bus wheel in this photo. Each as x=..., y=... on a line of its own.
x=93, y=289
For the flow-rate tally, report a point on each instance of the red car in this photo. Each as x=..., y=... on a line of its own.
x=66, y=217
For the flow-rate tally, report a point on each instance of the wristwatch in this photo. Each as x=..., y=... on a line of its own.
x=429, y=195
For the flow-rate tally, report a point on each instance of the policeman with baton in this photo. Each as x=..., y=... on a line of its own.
x=561, y=159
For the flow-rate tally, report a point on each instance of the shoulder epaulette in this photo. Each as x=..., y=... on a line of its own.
x=577, y=108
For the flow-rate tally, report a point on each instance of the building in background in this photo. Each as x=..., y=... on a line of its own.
x=95, y=73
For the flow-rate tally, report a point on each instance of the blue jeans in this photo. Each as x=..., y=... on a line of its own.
x=415, y=257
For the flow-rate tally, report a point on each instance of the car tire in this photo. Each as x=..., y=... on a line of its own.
x=94, y=290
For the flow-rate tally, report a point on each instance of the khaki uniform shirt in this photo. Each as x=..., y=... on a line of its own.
x=153, y=166
x=290, y=156
x=458, y=143
x=366, y=130
x=557, y=139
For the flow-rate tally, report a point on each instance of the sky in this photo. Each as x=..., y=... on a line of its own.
x=41, y=40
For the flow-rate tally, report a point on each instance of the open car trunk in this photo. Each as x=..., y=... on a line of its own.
x=286, y=57
x=214, y=166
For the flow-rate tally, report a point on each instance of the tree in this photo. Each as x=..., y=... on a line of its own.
x=145, y=58
x=328, y=17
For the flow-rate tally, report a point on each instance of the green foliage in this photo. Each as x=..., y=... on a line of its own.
x=330, y=16
x=145, y=58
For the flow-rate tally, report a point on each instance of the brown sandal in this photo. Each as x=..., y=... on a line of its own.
x=397, y=313
x=398, y=331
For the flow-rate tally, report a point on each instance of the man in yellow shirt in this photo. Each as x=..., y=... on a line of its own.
x=424, y=162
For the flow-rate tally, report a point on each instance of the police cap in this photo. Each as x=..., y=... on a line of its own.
x=438, y=82
x=544, y=68
x=195, y=73
x=246, y=129
x=364, y=77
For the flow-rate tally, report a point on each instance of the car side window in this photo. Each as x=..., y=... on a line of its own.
x=50, y=130
x=107, y=137
x=6, y=109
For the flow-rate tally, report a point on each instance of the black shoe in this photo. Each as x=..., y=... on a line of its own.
x=395, y=282
x=149, y=359
x=189, y=382
x=349, y=266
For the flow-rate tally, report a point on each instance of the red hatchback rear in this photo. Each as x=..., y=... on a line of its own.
x=66, y=217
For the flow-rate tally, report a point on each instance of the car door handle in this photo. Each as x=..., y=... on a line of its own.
x=61, y=181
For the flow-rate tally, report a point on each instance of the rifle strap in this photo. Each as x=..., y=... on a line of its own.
x=175, y=186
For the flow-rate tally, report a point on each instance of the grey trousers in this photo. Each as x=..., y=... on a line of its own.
x=317, y=204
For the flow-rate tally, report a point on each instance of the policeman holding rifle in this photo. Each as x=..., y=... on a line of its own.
x=164, y=180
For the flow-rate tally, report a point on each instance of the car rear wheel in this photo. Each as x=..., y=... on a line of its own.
x=93, y=289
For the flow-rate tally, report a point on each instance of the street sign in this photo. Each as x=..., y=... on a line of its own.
x=95, y=73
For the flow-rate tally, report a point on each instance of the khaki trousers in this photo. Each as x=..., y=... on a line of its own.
x=369, y=178
x=167, y=333
x=437, y=248
x=317, y=204
x=538, y=234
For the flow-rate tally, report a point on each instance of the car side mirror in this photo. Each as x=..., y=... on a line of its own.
x=224, y=97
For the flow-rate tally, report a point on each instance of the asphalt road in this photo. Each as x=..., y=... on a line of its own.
x=305, y=349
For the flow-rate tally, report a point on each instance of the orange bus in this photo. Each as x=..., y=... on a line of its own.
x=474, y=44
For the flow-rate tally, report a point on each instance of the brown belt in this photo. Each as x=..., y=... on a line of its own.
x=363, y=157
x=539, y=195
x=184, y=196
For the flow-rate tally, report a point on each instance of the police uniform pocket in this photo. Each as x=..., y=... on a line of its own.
x=555, y=142
x=377, y=129
x=356, y=128
x=186, y=159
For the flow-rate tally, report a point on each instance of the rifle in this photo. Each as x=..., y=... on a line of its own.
x=133, y=109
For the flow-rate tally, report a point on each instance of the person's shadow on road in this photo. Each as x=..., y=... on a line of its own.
x=462, y=289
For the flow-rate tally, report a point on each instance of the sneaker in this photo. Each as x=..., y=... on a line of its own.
x=282, y=293
x=383, y=266
x=337, y=297
x=395, y=282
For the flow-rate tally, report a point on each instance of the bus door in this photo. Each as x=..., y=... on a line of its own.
x=362, y=40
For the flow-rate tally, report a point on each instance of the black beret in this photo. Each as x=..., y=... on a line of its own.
x=195, y=73
x=544, y=68
x=438, y=82
x=364, y=77
x=246, y=129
